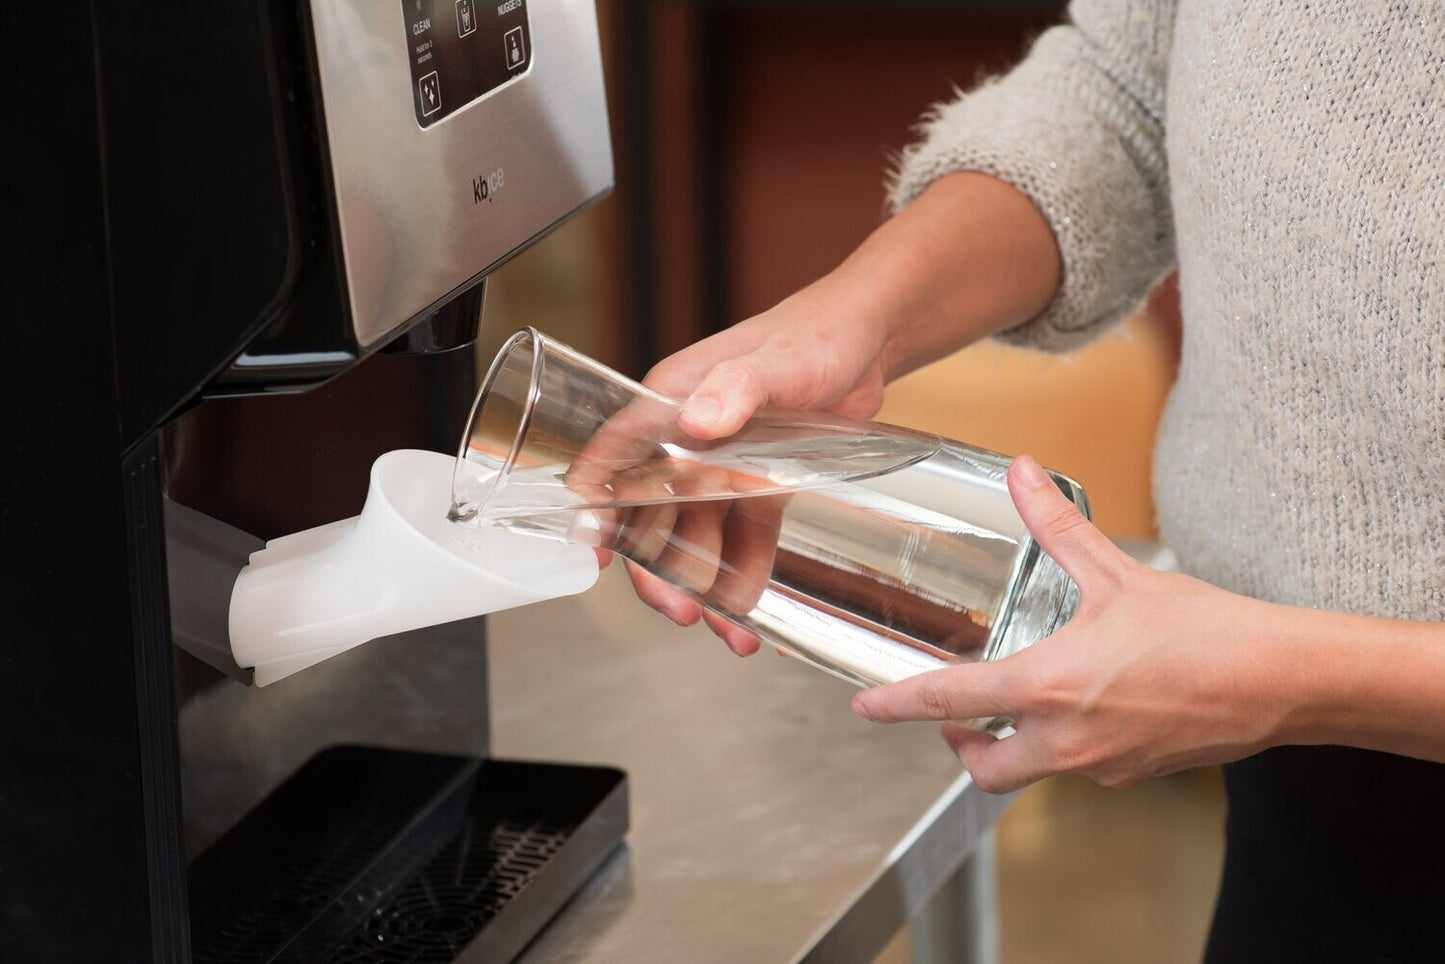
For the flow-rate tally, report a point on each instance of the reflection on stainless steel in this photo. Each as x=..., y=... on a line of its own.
x=420, y=691
x=411, y=230
x=970, y=894
x=286, y=464
x=203, y=558
x=766, y=817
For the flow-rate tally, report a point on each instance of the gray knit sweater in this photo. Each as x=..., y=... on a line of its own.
x=1291, y=157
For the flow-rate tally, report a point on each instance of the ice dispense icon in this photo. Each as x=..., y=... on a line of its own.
x=516, y=52
x=466, y=17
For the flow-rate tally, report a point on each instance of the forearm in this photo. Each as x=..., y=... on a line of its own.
x=1361, y=681
x=970, y=257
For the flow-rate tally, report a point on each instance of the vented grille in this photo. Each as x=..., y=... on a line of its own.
x=374, y=875
x=443, y=907
x=303, y=888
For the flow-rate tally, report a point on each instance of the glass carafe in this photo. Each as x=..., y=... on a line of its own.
x=870, y=551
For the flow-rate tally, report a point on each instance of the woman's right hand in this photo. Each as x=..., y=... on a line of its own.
x=816, y=350
x=970, y=257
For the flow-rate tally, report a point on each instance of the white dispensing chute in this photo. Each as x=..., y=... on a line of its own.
x=398, y=566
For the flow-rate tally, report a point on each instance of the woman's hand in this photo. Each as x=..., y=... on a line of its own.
x=821, y=349
x=1156, y=672
x=970, y=257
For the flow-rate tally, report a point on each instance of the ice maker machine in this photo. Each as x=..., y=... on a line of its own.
x=248, y=258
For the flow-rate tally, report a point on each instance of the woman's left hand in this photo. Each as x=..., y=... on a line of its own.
x=1156, y=672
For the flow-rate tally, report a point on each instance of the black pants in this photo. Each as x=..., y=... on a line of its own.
x=1333, y=854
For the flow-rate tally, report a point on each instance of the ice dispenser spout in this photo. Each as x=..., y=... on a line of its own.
x=398, y=566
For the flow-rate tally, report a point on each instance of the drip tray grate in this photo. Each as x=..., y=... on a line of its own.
x=448, y=902
x=369, y=855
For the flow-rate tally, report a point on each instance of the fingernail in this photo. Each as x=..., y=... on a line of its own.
x=674, y=615
x=860, y=708
x=585, y=528
x=702, y=409
x=1031, y=473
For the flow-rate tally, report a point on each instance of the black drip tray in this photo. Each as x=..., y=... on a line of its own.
x=393, y=856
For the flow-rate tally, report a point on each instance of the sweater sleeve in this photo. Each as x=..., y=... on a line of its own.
x=1078, y=126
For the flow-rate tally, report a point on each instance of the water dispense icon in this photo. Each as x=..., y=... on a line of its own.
x=466, y=17
x=513, y=45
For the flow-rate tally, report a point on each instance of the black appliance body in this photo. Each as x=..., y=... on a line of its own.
x=245, y=257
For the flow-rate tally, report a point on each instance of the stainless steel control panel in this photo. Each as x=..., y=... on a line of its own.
x=443, y=173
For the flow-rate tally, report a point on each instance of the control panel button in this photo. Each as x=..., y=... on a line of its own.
x=466, y=17
x=431, y=93
x=513, y=44
x=492, y=47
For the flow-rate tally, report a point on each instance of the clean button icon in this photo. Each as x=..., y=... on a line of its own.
x=430, y=88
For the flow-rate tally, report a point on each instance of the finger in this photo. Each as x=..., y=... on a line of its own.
x=1058, y=526
x=678, y=374
x=966, y=692
x=693, y=553
x=739, y=640
x=749, y=552
x=646, y=530
x=734, y=389
x=996, y=765
x=671, y=602
x=646, y=524
x=628, y=437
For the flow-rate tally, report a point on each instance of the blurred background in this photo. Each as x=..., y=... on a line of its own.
x=752, y=141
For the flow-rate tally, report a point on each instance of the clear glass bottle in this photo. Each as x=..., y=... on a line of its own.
x=870, y=551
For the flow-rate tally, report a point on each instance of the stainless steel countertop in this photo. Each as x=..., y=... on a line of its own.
x=768, y=823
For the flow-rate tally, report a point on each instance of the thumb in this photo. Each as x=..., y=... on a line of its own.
x=965, y=691
x=732, y=391
x=1058, y=526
